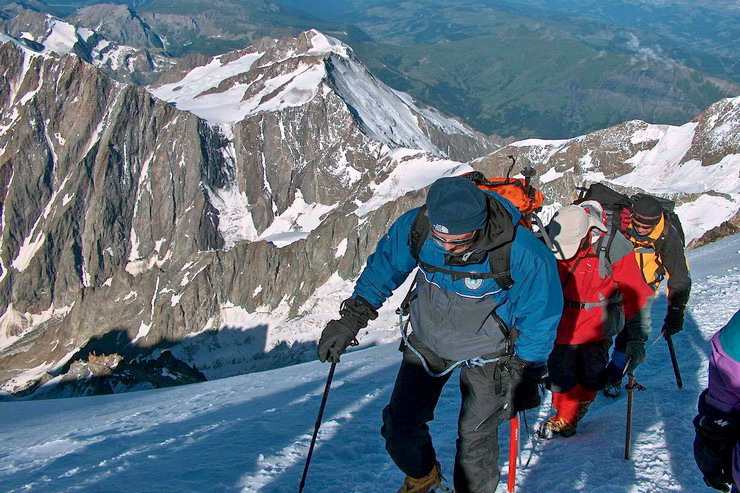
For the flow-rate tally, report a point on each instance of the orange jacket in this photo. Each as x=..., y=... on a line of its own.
x=661, y=255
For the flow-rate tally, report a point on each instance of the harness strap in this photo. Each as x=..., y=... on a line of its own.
x=470, y=362
x=510, y=336
x=587, y=305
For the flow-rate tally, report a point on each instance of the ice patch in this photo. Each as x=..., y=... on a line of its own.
x=341, y=248
x=550, y=175
x=296, y=222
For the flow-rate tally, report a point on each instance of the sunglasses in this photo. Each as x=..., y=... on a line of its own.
x=456, y=242
x=639, y=225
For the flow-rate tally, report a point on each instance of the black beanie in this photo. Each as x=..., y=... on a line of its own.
x=647, y=210
x=455, y=205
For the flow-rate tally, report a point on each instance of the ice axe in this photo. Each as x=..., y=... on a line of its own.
x=674, y=361
x=513, y=452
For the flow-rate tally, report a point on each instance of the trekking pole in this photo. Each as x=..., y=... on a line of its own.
x=318, y=424
x=513, y=452
x=674, y=361
x=632, y=384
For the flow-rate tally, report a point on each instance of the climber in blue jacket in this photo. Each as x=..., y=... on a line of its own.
x=487, y=299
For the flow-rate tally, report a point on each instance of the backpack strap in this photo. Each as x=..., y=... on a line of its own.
x=420, y=230
x=604, y=244
x=542, y=233
x=569, y=275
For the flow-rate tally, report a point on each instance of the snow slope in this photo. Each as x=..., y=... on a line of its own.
x=251, y=432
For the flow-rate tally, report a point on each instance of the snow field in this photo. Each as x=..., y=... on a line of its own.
x=252, y=432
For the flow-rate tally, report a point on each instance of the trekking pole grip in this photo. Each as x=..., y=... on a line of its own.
x=318, y=424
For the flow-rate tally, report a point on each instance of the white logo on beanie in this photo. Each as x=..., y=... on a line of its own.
x=440, y=228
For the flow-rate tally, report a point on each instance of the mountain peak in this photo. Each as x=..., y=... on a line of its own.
x=273, y=75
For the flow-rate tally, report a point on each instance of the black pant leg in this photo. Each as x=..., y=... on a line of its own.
x=592, y=360
x=485, y=391
x=405, y=418
x=562, y=367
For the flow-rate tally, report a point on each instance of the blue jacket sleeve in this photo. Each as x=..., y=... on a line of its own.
x=536, y=298
x=390, y=265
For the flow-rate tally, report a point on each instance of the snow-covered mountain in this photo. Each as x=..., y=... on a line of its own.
x=308, y=124
x=135, y=224
x=251, y=432
x=140, y=62
x=217, y=214
x=696, y=164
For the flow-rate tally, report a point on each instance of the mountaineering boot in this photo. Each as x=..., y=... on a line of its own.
x=583, y=409
x=614, y=381
x=555, y=426
x=432, y=482
x=612, y=390
x=585, y=398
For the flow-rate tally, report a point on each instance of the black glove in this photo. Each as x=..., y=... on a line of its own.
x=713, y=444
x=635, y=351
x=525, y=384
x=673, y=323
x=338, y=335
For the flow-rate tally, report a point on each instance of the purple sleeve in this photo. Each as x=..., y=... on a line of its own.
x=724, y=379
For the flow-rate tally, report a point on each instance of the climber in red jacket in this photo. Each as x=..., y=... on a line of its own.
x=599, y=290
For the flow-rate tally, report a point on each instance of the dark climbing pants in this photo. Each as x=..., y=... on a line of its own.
x=485, y=391
x=578, y=364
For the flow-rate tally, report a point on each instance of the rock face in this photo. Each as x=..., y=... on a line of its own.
x=215, y=212
x=125, y=215
x=96, y=188
x=119, y=24
x=309, y=123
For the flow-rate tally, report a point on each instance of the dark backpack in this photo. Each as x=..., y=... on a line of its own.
x=669, y=212
x=617, y=211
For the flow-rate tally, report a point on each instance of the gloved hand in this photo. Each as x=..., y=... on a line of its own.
x=713, y=444
x=673, y=323
x=635, y=351
x=338, y=335
x=526, y=379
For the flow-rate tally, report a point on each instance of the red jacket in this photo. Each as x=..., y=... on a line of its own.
x=592, y=309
